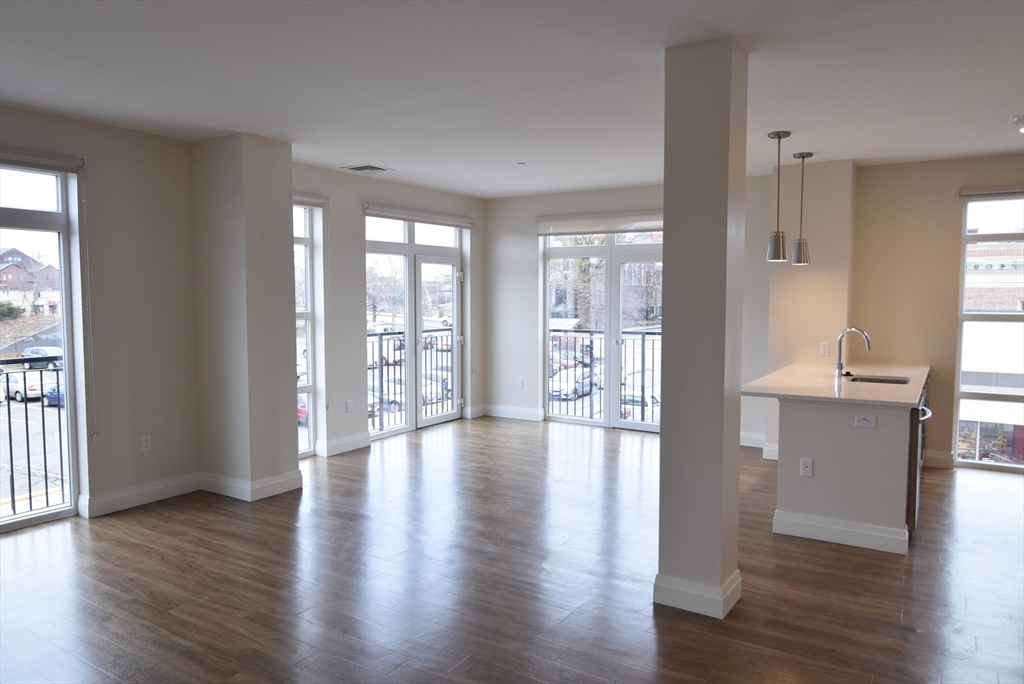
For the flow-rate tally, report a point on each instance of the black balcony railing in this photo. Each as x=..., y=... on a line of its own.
x=34, y=453
x=390, y=390
x=577, y=379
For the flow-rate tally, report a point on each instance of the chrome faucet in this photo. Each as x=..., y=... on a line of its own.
x=839, y=345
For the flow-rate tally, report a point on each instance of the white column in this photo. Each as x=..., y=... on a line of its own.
x=242, y=195
x=705, y=175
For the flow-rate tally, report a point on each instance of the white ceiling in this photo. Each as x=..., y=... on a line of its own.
x=453, y=94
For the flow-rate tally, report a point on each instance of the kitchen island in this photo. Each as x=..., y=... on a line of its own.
x=849, y=452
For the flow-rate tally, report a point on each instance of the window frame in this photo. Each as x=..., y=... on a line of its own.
x=68, y=222
x=614, y=254
x=313, y=217
x=988, y=317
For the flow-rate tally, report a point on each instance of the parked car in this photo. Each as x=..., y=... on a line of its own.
x=21, y=385
x=372, y=406
x=53, y=396
x=303, y=410
x=393, y=396
x=35, y=352
x=573, y=384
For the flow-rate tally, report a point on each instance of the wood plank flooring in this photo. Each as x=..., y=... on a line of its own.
x=503, y=551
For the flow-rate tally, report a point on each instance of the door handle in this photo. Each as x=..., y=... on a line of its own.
x=926, y=415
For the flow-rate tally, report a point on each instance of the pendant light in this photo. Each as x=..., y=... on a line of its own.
x=801, y=256
x=777, y=242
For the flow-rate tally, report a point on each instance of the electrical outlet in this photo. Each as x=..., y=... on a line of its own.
x=147, y=443
x=348, y=406
x=806, y=467
x=864, y=421
x=519, y=383
x=823, y=348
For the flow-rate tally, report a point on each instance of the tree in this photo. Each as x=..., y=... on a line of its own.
x=9, y=311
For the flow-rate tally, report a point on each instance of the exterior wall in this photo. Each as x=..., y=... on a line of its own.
x=514, y=309
x=345, y=263
x=906, y=276
x=142, y=296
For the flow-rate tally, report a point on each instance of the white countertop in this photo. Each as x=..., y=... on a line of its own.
x=817, y=382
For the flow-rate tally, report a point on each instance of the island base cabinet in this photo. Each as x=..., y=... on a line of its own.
x=857, y=491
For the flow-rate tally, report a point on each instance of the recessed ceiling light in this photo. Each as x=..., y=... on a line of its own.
x=1018, y=122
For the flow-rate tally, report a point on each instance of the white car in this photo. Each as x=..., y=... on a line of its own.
x=22, y=385
x=573, y=383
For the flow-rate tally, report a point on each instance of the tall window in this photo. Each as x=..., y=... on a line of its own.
x=304, y=219
x=37, y=444
x=990, y=391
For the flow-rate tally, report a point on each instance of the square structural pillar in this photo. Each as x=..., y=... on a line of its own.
x=705, y=177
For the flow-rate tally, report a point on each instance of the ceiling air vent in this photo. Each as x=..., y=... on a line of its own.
x=366, y=169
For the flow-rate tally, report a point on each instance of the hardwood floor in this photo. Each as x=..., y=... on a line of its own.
x=502, y=551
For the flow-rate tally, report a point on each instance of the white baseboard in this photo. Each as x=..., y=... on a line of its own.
x=753, y=439
x=890, y=539
x=334, y=447
x=514, y=412
x=770, y=451
x=938, y=459
x=238, y=488
x=471, y=412
x=129, y=497
x=696, y=597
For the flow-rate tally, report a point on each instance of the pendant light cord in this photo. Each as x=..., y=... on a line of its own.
x=778, y=185
x=802, y=162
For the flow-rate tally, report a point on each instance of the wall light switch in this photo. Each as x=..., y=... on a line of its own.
x=806, y=467
x=864, y=421
x=823, y=348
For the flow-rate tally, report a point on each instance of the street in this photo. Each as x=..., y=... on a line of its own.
x=37, y=436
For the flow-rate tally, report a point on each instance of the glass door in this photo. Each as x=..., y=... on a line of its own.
x=439, y=343
x=637, y=395
x=36, y=465
x=576, y=336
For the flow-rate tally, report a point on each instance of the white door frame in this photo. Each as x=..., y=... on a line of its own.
x=456, y=352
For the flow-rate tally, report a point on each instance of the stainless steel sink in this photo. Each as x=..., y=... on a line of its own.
x=885, y=379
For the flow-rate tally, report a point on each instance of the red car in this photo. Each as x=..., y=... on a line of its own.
x=303, y=410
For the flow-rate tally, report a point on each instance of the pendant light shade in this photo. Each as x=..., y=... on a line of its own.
x=801, y=254
x=777, y=247
x=777, y=242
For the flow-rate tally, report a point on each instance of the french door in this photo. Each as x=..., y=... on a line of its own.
x=637, y=396
x=413, y=370
x=438, y=339
x=604, y=332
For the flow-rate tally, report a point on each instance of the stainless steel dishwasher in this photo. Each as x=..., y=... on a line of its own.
x=915, y=459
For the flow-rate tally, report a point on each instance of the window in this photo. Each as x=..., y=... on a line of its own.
x=413, y=322
x=305, y=219
x=604, y=306
x=37, y=437
x=990, y=391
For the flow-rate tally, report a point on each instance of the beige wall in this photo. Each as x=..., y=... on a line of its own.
x=142, y=285
x=346, y=288
x=907, y=267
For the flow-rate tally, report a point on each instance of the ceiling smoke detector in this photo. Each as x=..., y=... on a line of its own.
x=366, y=169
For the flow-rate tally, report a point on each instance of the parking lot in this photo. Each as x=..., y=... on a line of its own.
x=34, y=456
